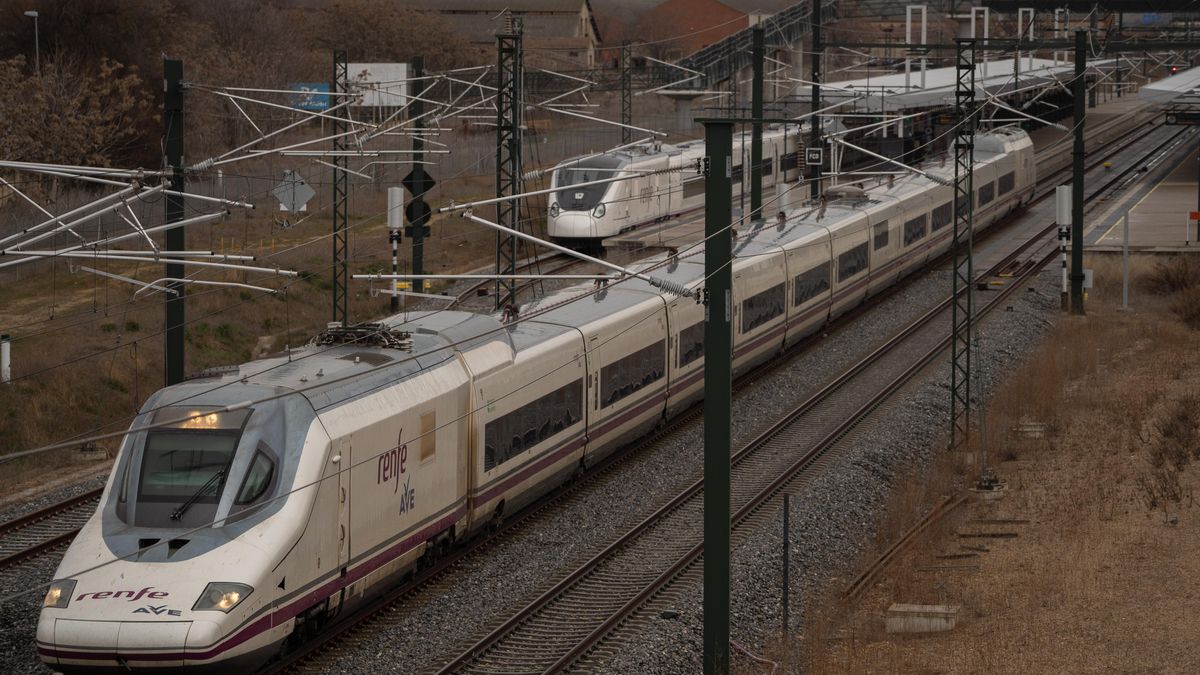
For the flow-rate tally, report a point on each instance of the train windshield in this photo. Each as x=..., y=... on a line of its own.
x=187, y=459
x=572, y=198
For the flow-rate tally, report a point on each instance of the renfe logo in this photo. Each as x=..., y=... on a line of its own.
x=132, y=595
x=391, y=467
x=391, y=463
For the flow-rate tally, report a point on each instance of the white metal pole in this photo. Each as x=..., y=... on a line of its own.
x=522, y=277
x=987, y=34
x=1062, y=208
x=134, y=258
x=908, y=12
x=5, y=360
x=395, y=220
x=1125, y=265
x=924, y=40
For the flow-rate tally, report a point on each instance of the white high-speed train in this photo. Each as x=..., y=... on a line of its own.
x=247, y=510
x=582, y=216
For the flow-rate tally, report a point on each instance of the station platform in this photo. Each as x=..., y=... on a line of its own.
x=1158, y=208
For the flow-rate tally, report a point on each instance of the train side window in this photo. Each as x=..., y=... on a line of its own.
x=987, y=193
x=914, y=230
x=790, y=161
x=768, y=167
x=693, y=188
x=811, y=283
x=630, y=373
x=881, y=235
x=852, y=262
x=258, y=479
x=942, y=215
x=513, y=433
x=428, y=436
x=762, y=307
x=1007, y=182
x=691, y=343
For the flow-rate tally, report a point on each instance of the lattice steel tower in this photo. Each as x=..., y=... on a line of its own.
x=341, y=191
x=509, y=97
x=963, y=308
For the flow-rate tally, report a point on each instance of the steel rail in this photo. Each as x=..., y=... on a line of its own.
x=38, y=520
x=550, y=596
x=302, y=655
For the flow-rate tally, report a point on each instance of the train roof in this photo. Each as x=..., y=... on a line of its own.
x=528, y=334
x=612, y=301
x=353, y=369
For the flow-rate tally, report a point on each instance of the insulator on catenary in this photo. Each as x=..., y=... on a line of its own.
x=533, y=175
x=671, y=287
x=203, y=166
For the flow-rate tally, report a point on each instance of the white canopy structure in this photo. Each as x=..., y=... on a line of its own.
x=889, y=93
x=1169, y=89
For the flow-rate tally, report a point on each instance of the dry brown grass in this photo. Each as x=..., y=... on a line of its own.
x=1096, y=580
x=85, y=358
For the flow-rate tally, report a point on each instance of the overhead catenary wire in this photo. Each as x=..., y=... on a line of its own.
x=245, y=404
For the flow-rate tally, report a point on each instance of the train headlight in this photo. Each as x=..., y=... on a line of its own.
x=222, y=596
x=58, y=595
x=554, y=210
x=598, y=212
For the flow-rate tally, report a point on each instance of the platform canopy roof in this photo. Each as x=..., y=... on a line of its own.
x=1170, y=89
x=897, y=91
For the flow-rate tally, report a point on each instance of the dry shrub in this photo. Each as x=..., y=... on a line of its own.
x=1172, y=275
x=1185, y=305
x=1160, y=487
x=1176, y=434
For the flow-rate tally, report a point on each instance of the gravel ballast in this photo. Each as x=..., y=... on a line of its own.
x=835, y=515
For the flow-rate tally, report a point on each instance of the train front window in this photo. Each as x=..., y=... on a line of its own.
x=188, y=453
x=572, y=197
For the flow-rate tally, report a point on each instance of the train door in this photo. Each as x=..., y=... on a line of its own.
x=343, y=450
x=592, y=404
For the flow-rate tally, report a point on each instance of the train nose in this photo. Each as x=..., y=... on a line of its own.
x=71, y=644
x=575, y=225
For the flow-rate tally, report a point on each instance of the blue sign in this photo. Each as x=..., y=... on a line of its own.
x=1151, y=18
x=310, y=95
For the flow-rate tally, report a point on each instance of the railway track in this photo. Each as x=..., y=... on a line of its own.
x=45, y=529
x=551, y=263
x=315, y=656
x=557, y=630
x=553, y=632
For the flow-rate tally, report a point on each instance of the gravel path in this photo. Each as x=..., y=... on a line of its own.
x=832, y=520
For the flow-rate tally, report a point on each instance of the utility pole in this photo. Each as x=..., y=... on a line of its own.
x=1092, y=89
x=418, y=183
x=962, y=309
x=756, y=103
x=1120, y=56
x=174, y=239
x=395, y=221
x=508, y=155
x=814, y=139
x=1077, y=179
x=718, y=389
x=341, y=193
x=626, y=95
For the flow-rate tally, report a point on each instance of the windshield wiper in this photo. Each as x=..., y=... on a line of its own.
x=178, y=513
